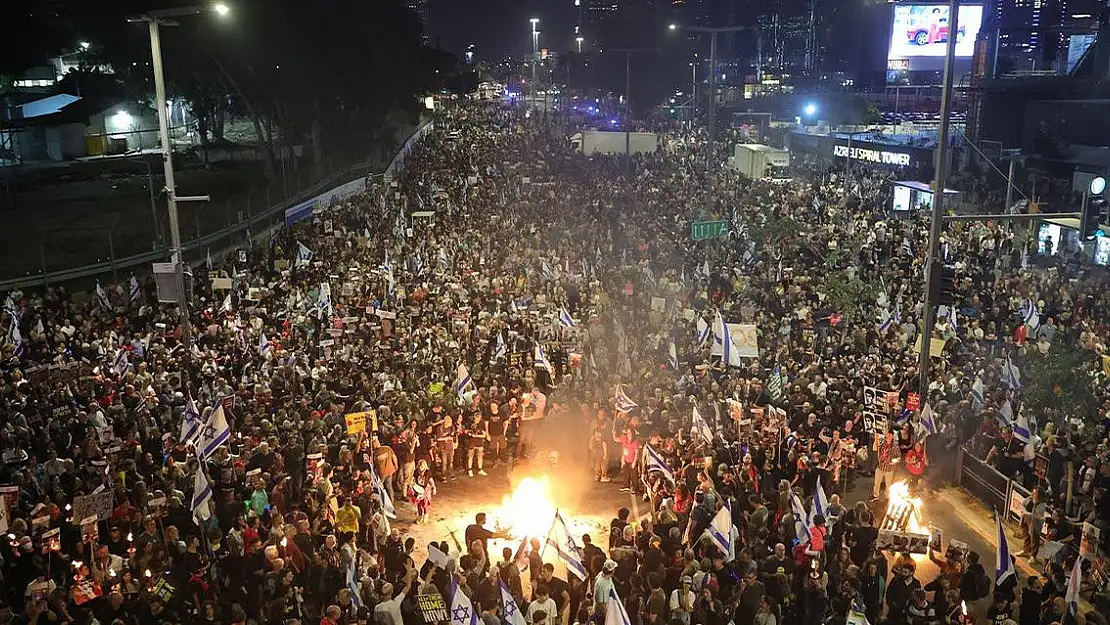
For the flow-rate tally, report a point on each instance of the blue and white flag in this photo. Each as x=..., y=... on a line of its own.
x=462, y=610
x=509, y=609
x=323, y=301
x=700, y=428
x=978, y=393
x=352, y=582
x=304, y=255
x=216, y=431
x=776, y=387
x=208, y=259
x=820, y=501
x=672, y=356
x=202, y=495
x=263, y=344
x=501, y=351
x=121, y=364
x=801, y=519
x=623, y=402
x=540, y=361
x=928, y=419
x=1030, y=314
x=903, y=417
x=102, y=297
x=703, y=331
x=441, y=256
x=1021, y=429
x=1003, y=564
x=723, y=533
x=886, y=320
x=136, y=290
x=565, y=319
x=387, y=501
x=462, y=381
x=654, y=462
x=191, y=423
x=1011, y=375
x=729, y=355
x=907, y=247
x=226, y=306
x=615, y=614
x=566, y=548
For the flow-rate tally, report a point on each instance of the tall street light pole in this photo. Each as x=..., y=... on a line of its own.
x=628, y=99
x=694, y=90
x=535, y=54
x=710, y=150
x=154, y=20
x=932, y=259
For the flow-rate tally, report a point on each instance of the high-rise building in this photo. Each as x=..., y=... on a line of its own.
x=420, y=7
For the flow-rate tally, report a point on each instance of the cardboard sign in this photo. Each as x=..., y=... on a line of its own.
x=432, y=608
x=936, y=346
x=221, y=284
x=874, y=400
x=1088, y=545
x=913, y=401
x=357, y=422
x=98, y=505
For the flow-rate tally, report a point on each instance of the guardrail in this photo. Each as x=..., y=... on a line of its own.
x=256, y=226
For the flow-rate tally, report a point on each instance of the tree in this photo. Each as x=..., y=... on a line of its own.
x=1060, y=382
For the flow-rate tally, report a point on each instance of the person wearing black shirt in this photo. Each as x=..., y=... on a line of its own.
x=477, y=531
x=496, y=420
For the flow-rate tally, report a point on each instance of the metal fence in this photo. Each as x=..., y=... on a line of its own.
x=214, y=228
x=983, y=481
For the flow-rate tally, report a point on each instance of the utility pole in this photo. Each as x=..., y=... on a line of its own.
x=628, y=52
x=932, y=259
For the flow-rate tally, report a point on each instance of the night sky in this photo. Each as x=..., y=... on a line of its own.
x=500, y=27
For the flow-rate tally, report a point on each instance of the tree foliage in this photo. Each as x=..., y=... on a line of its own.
x=1059, y=382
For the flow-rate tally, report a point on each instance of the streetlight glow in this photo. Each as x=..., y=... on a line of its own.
x=85, y=45
x=221, y=9
x=810, y=109
x=672, y=27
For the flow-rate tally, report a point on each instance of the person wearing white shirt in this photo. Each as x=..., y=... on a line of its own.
x=388, y=612
x=682, y=601
x=542, y=603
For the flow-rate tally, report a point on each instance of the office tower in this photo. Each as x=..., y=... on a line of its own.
x=420, y=7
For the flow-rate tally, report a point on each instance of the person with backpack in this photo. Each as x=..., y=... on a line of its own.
x=975, y=587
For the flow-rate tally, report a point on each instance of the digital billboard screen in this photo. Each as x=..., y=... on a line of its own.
x=921, y=30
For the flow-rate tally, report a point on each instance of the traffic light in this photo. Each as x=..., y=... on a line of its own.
x=1094, y=215
x=942, y=289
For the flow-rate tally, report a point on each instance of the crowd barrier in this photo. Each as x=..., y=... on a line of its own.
x=255, y=227
x=995, y=490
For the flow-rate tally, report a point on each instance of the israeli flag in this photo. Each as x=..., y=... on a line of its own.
x=263, y=344
x=928, y=419
x=352, y=583
x=501, y=351
x=564, y=318
x=569, y=552
x=216, y=431
x=775, y=386
x=387, y=502
x=208, y=259
x=136, y=290
x=226, y=306
x=886, y=320
x=672, y=356
x=978, y=393
x=1021, y=429
x=1011, y=375
x=462, y=610
x=623, y=402
x=102, y=297
x=723, y=533
x=202, y=495
x=120, y=365
x=1030, y=314
x=1006, y=413
x=903, y=417
x=700, y=427
x=304, y=255
x=907, y=247
x=801, y=519
x=1003, y=565
x=540, y=361
x=510, y=612
x=191, y=424
x=654, y=462
x=705, y=268
x=703, y=331
x=819, y=504
x=615, y=614
x=729, y=355
x=444, y=264
x=462, y=381
x=323, y=301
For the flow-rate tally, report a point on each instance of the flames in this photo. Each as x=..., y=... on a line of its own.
x=528, y=510
x=903, y=512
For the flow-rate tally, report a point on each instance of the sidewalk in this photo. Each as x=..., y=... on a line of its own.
x=973, y=514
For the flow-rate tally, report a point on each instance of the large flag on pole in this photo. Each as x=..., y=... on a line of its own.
x=615, y=614
x=928, y=419
x=462, y=610
x=509, y=608
x=623, y=402
x=263, y=344
x=216, y=431
x=729, y=356
x=462, y=381
x=672, y=356
x=703, y=331
x=700, y=428
x=1074, y=582
x=1003, y=564
x=568, y=551
x=540, y=361
x=801, y=519
x=565, y=319
x=202, y=495
x=655, y=462
x=722, y=532
x=191, y=424
x=102, y=297
x=136, y=290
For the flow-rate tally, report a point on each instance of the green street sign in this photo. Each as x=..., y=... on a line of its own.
x=702, y=230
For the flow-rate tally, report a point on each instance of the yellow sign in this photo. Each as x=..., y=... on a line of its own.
x=357, y=421
x=936, y=346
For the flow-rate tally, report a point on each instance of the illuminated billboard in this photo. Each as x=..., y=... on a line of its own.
x=921, y=30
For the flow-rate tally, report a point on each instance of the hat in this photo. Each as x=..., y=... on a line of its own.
x=609, y=566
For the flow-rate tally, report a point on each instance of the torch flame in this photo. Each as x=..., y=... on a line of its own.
x=130, y=537
x=529, y=510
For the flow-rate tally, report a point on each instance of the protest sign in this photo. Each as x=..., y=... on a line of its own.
x=357, y=422
x=97, y=505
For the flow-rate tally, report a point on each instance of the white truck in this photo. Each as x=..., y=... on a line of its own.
x=758, y=161
x=591, y=142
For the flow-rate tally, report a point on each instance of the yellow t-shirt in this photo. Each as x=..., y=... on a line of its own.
x=346, y=519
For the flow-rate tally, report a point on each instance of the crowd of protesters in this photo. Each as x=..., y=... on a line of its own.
x=539, y=285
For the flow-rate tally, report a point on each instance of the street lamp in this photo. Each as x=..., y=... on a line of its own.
x=535, y=54
x=579, y=41
x=154, y=20
x=810, y=109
